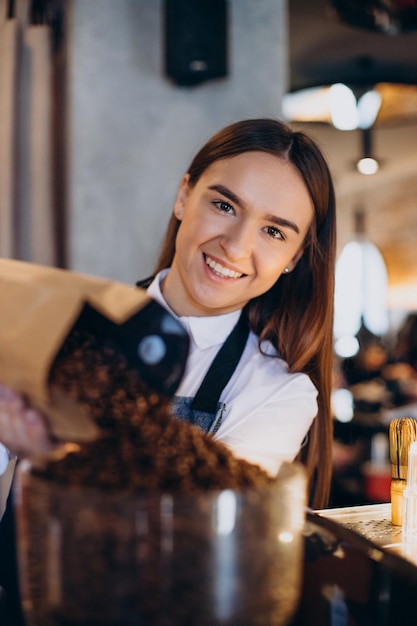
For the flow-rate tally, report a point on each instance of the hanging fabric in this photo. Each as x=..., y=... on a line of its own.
x=27, y=220
x=8, y=82
x=40, y=219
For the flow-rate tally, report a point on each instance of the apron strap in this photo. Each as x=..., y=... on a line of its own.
x=145, y=282
x=222, y=368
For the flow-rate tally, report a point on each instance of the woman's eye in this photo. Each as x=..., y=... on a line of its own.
x=225, y=207
x=274, y=232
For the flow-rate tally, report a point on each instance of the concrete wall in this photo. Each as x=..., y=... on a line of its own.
x=132, y=132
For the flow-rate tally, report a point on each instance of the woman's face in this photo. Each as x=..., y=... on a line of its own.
x=243, y=222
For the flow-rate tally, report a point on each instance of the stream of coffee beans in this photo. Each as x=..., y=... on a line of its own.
x=142, y=446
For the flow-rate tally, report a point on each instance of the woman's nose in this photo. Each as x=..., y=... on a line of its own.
x=237, y=243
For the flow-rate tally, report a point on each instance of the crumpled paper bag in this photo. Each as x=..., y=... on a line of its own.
x=39, y=306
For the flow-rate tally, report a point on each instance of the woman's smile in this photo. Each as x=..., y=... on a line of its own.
x=242, y=224
x=221, y=270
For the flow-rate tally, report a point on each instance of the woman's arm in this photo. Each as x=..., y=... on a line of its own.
x=23, y=431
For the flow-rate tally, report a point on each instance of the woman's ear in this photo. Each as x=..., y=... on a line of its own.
x=295, y=260
x=181, y=197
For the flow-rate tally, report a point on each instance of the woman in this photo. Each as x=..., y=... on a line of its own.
x=248, y=266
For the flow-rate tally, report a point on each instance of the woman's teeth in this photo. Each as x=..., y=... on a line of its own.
x=220, y=270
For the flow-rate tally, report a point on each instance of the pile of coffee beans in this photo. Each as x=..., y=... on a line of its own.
x=142, y=446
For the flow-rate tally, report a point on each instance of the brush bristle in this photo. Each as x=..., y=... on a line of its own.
x=402, y=433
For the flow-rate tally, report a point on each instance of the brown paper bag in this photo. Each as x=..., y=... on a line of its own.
x=38, y=307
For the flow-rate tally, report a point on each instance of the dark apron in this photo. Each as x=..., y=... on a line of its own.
x=205, y=409
x=10, y=607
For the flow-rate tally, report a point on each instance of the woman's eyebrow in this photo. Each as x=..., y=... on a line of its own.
x=279, y=221
x=225, y=191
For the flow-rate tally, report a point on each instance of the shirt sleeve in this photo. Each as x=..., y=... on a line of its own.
x=4, y=459
x=275, y=430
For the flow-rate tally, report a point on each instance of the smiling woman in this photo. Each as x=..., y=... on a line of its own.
x=251, y=242
x=247, y=266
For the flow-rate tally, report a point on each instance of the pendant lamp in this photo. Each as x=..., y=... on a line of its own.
x=361, y=288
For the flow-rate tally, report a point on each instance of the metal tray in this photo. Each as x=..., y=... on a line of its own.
x=374, y=523
x=358, y=571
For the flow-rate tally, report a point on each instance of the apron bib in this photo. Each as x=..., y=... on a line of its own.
x=205, y=410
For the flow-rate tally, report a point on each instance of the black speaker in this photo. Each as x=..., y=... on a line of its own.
x=195, y=40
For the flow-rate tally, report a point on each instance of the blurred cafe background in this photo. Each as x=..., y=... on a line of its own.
x=103, y=102
x=353, y=85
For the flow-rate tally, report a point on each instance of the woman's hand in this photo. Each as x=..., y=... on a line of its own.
x=23, y=429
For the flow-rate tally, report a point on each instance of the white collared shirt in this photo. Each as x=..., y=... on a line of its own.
x=268, y=410
x=4, y=458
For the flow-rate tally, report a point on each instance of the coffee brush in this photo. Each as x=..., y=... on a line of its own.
x=402, y=433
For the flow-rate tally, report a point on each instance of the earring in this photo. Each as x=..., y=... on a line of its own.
x=286, y=270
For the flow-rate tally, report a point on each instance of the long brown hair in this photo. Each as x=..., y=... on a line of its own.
x=296, y=314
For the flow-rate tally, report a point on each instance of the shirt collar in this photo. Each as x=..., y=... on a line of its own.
x=206, y=331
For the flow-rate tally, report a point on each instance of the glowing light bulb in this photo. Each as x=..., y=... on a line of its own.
x=367, y=166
